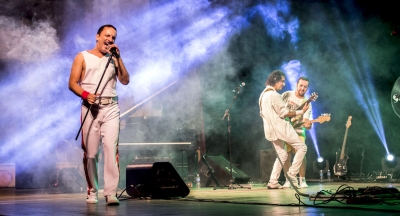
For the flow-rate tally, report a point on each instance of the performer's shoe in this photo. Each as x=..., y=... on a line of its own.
x=303, y=183
x=92, y=198
x=287, y=184
x=294, y=180
x=112, y=200
x=274, y=186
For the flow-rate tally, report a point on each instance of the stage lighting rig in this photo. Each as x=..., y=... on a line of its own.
x=389, y=157
x=390, y=168
x=390, y=163
x=321, y=166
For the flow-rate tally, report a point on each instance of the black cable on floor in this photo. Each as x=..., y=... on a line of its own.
x=289, y=205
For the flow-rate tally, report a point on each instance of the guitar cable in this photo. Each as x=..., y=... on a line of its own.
x=290, y=179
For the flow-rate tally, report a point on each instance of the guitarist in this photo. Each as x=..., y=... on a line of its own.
x=273, y=112
x=295, y=99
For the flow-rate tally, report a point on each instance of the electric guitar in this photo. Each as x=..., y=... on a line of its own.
x=325, y=117
x=340, y=168
x=313, y=97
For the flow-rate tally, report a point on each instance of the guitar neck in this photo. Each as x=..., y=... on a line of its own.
x=344, y=144
x=295, y=125
x=301, y=106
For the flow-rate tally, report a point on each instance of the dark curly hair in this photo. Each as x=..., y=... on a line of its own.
x=274, y=77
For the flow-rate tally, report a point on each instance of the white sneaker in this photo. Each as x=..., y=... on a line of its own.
x=112, y=200
x=303, y=184
x=92, y=198
x=294, y=180
x=274, y=186
x=287, y=184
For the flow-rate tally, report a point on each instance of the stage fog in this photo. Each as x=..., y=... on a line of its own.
x=190, y=62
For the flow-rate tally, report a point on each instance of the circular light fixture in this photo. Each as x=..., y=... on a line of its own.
x=320, y=159
x=389, y=157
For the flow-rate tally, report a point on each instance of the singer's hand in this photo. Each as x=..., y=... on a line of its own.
x=92, y=98
x=121, y=72
x=113, y=50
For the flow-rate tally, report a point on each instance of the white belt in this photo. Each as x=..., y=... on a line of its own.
x=105, y=100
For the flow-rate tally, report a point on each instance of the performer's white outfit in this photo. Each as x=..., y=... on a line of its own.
x=277, y=129
x=101, y=124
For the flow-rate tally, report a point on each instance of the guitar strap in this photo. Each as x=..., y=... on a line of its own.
x=303, y=134
x=268, y=88
x=260, y=100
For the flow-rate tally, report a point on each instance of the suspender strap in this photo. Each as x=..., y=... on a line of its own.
x=259, y=102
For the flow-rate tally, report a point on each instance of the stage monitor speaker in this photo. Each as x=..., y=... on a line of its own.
x=155, y=180
x=267, y=160
x=221, y=167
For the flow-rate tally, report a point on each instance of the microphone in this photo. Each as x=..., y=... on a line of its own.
x=238, y=88
x=113, y=51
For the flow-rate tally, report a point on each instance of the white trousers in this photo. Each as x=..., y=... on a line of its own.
x=301, y=150
x=101, y=126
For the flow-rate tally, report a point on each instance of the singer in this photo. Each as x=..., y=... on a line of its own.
x=102, y=122
x=277, y=130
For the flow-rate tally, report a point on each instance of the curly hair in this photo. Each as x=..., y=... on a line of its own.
x=274, y=77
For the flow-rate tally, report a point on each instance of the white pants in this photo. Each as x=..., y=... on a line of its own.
x=301, y=150
x=101, y=126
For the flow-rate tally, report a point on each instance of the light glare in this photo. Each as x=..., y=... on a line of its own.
x=389, y=157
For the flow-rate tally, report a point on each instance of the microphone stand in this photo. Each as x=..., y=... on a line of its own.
x=226, y=114
x=98, y=86
x=362, y=160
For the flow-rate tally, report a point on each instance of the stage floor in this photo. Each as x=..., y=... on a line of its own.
x=201, y=201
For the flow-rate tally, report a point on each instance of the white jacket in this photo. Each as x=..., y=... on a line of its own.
x=273, y=111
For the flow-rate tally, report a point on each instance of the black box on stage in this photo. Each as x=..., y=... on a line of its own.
x=155, y=180
x=221, y=167
x=267, y=160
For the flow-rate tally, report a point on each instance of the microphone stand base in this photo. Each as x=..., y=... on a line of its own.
x=232, y=186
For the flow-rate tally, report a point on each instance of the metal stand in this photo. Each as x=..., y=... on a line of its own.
x=212, y=175
x=226, y=114
x=362, y=160
x=98, y=85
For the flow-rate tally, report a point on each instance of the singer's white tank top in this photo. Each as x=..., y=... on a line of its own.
x=94, y=70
